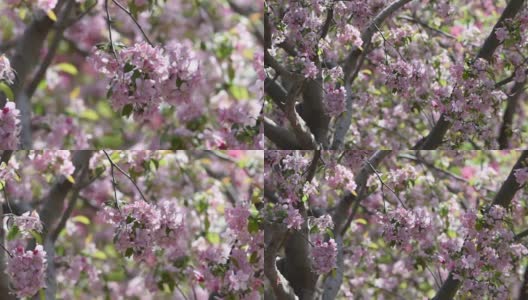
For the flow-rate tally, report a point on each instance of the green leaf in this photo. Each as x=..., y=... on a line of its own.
x=36, y=236
x=253, y=258
x=129, y=252
x=118, y=275
x=166, y=279
x=127, y=110
x=330, y=233
x=128, y=67
x=42, y=294
x=115, y=156
x=110, y=141
x=104, y=109
x=304, y=198
x=207, y=223
x=7, y=91
x=98, y=254
x=89, y=114
x=361, y=221
x=52, y=15
x=70, y=179
x=67, y=68
x=81, y=219
x=213, y=238
x=239, y=92
x=253, y=224
x=13, y=232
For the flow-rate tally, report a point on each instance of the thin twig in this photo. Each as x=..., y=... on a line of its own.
x=7, y=199
x=384, y=184
x=5, y=249
x=114, y=165
x=181, y=292
x=108, y=23
x=133, y=19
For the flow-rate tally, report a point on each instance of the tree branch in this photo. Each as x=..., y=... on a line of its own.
x=273, y=235
x=506, y=129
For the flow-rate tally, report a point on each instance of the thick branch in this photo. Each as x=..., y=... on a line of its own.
x=281, y=137
x=506, y=129
x=276, y=92
x=523, y=292
x=273, y=235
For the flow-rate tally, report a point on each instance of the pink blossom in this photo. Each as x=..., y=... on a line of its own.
x=26, y=270
x=9, y=127
x=324, y=256
x=501, y=33
x=324, y=222
x=342, y=176
x=335, y=101
x=146, y=76
x=521, y=175
x=237, y=218
x=46, y=5
x=294, y=219
x=28, y=221
x=520, y=75
x=6, y=72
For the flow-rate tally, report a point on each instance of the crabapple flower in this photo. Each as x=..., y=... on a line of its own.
x=9, y=126
x=294, y=219
x=521, y=175
x=324, y=222
x=26, y=270
x=237, y=218
x=6, y=72
x=145, y=76
x=501, y=34
x=59, y=162
x=27, y=222
x=324, y=256
x=342, y=177
x=335, y=101
x=46, y=5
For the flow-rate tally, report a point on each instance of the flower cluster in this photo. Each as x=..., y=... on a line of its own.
x=521, y=176
x=324, y=256
x=474, y=99
x=324, y=222
x=144, y=227
x=26, y=270
x=294, y=219
x=58, y=162
x=9, y=127
x=6, y=72
x=340, y=176
x=402, y=227
x=46, y=5
x=237, y=219
x=143, y=76
x=28, y=222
